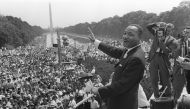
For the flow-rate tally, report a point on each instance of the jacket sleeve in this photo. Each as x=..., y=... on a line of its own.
x=164, y=47
x=131, y=76
x=111, y=50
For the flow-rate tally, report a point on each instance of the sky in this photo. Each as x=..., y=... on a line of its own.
x=70, y=12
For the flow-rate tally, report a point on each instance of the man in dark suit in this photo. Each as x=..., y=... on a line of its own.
x=159, y=56
x=186, y=65
x=122, y=93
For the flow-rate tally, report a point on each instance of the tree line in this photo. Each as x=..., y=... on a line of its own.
x=15, y=32
x=113, y=27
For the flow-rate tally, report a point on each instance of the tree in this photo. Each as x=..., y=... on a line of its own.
x=113, y=27
x=185, y=4
x=15, y=32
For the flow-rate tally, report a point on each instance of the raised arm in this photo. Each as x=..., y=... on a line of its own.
x=151, y=27
x=109, y=50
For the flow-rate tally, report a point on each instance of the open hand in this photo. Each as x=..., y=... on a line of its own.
x=88, y=86
x=95, y=90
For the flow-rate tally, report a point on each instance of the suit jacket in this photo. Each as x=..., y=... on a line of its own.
x=157, y=44
x=123, y=91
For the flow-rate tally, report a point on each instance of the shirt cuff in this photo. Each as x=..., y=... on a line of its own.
x=96, y=43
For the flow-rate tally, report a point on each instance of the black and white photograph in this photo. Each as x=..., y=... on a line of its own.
x=94, y=54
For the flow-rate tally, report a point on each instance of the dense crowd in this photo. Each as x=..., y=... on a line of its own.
x=31, y=77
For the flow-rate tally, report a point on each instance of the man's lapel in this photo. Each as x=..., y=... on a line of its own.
x=122, y=57
x=128, y=53
x=125, y=54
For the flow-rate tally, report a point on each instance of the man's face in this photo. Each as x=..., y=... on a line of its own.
x=169, y=31
x=130, y=37
x=186, y=32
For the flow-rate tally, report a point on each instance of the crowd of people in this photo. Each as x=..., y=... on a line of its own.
x=31, y=77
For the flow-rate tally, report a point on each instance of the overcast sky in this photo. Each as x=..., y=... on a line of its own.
x=70, y=12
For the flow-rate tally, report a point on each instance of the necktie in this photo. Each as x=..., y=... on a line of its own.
x=128, y=50
x=125, y=55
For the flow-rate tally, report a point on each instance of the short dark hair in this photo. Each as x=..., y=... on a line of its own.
x=140, y=29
